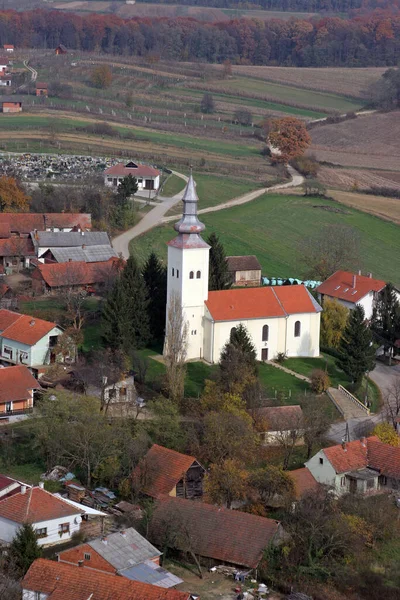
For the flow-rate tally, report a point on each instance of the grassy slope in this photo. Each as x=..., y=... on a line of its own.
x=274, y=226
x=172, y=186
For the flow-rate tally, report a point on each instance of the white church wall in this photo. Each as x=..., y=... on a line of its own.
x=307, y=344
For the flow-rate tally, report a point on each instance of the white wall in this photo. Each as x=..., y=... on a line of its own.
x=140, y=180
x=28, y=595
x=367, y=303
x=37, y=354
x=323, y=473
x=8, y=530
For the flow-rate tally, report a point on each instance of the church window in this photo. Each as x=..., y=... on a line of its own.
x=265, y=333
x=198, y=275
x=191, y=275
x=173, y=271
x=177, y=273
x=297, y=329
x=194, y=331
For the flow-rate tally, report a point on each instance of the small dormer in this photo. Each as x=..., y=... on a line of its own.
x=131, y=165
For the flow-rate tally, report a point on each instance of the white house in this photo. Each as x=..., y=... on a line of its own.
x=365, y=466
x=8, y=486
x=4, y=61
x=148, y=178
x=5, y=80
x=279, y=423
x=279, y=319
x=54, y=520
x=27, y=340
x=9, y=48
x=351, y=290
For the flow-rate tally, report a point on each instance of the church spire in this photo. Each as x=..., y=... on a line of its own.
x=189, y=223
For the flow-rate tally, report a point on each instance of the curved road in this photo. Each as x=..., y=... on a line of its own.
x=31, y=69
x=156, y=216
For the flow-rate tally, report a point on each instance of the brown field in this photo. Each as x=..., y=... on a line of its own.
x=371, y=141
x=351, y=82
x=385, y=208
x=346, y=179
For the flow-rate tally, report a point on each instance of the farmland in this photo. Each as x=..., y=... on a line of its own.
x=274, y=226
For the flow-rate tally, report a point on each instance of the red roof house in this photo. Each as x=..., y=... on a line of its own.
x=8, y=48
x=167, y=472
x=24, y=223
x=279, y=421
x=77, y=274
x=8, y=486
x=304, y=482
x=17, y=386
x=220, y=534
x=148, y=178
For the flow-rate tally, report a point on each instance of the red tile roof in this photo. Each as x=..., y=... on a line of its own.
x=162, y=469
x=41, y=86
x=5, y=482
x=66, y=582
x=281, y=417
x=140, y=170
x=384, y=458
x=27, y=222
x=4, y=230
x=4, y=288
x=73, y=555
x=220, y=533
x=16, y=383
x=15, y=246
x=346, y=286
x=77, y=272
x=23, y=328
x=34, y=506
x=258, y=303
x=8, y=46
x=304, y=482
x=351, y=457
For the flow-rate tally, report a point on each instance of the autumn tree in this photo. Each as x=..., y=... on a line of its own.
x=356, y=351
x=175, y=348
x=12, y=197
x=219, y=277
x=226, y=483
x=392, y=402
x=226, y=436
x=333, y=322
x=269, y=483
x=102, y=77
x=213, y=399
x=289, y=136
x=24, y=549
x=315, y=423
x=387, y=434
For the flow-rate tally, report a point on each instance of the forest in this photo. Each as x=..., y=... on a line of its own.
x=366, y=40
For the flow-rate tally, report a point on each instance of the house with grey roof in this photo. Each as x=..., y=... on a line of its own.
x=43, y=241
x=88, y=254
x=125, y=553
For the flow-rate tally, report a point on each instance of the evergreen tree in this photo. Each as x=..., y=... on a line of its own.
x=114, y=317
x=24, y=549
x=238, y=365
x=219, y=277
x=155, y=277
x=135, y=304
x=128, y=187
x=385, y=322
x=356, y=352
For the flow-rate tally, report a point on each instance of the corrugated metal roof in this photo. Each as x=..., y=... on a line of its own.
x=90, y=254
x=149, y=572
x=65, y=239
x=125, y=551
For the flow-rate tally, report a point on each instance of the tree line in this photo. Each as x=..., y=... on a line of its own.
x=365, y=40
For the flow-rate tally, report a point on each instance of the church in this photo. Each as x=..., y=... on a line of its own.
x=279, y=319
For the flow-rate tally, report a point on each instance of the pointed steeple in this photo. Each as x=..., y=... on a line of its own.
x=189, y=222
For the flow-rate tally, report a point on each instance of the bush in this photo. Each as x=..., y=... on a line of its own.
x=320, y=381
x=243, y=116
x=306, y=165
x=387, y=192
x=280, y=357
x=61, y=90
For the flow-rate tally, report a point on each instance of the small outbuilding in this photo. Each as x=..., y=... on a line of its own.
x=244, y=270
x=41, y=89
x=10, y=104
x=61, y=49
x=9, y=48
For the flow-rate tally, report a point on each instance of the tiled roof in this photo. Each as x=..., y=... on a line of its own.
x=347, y=457
x=346, y=286
x=5, y=482
x=41, y=86
x=4, y=288
x=243, y=263
x=77, y=273
x=304, y=481
x=15, y=246
x=122, y=170
x=27, y=222
x=73, y=555
x=34, y=506
x=24, y=329
x=16, y=383
x=383, y=457
x=4, y=230
x=66, y=582
x=219, y=533
x=262, y=302
x=281, y=417
x=162, y=469
x=7, y=318
x=8, y=46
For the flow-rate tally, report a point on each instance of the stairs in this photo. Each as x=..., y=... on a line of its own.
x=349, y=406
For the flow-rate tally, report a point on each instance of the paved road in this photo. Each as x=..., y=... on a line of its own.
x=156, y=216
x=32, y=70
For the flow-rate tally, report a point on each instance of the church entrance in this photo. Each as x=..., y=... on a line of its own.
x=264, y=354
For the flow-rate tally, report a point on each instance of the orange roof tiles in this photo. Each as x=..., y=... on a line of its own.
x=16, y=383
x=163, y=469
x=122, y=170
x=23, y=328
x=73, y=555
x=77, y=272
x=304, y=482
x=66, y=582
x=27, y=222
x=16, y=246
x=346, y=286
x=34, y=506
x=4, y=230
x=261, y=302
x=383, y=457
x=220, y=533
x=348, y=458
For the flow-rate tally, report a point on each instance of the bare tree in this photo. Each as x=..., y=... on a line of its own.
x=315, y=423
x=289, y=433
x=392, y=402
x=175, y=348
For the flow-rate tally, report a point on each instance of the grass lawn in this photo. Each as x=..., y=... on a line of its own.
x=172, y=186
x=305, y=366
x=274, y=226
x=28, y=473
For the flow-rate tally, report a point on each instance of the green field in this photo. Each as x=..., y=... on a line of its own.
x=172, y=186
x=274, y=226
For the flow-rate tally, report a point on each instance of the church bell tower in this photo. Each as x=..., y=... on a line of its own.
x=188, y=256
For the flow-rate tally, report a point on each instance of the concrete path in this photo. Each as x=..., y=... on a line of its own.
x=289, y=371
x=345, y=405
x=31, y=69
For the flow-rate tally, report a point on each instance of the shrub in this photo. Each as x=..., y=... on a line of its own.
x=320, y=381
x=280, y=357
x=306, y=165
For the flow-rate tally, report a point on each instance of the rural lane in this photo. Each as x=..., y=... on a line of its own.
x=156, y=216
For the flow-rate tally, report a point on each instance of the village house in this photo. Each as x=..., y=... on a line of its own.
x=304, y=482
x=279, y=319
x=366, y=466
x=90, y=277
x=10, y=104
x=244, y=270
x=352, y=289
x=9, y=48
x=124, y=553
x=4, y=62
x=44, y=241
x=15, y=253
x=17, y=389
x=121, y=391
x=5, y=80
x=87, y=254
x=27, y=340
x=21, y=224
x=54, y=520
x=167, y=472
x=41, y=89
x=279, y=422
x=148, y=178
x=61, y=49
x=216, y=535
x=8, y=486
x=51, y=580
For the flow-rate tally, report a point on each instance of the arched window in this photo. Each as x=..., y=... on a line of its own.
x=233, y=331
x=173, y=271
x=265, y=333
x=297, y=329
x=191, y=275
x=198, y=275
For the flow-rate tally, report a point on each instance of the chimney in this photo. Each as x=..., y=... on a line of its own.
x=104, y=540
x=344, y=445
x=32, y=322
x=70, y=260
x=370, y=275
x=83, y=246
x=23, y=489
x=354, y=281
x=41, y=485
x=80, y=563
x=359, y=271
x=123, y=533
x=363, y=442
x=82, y=233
